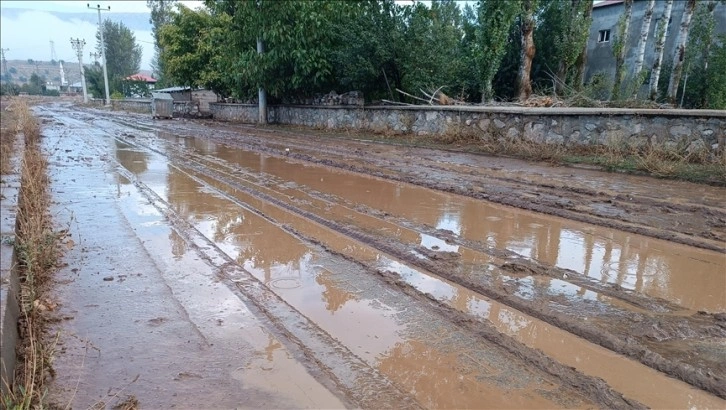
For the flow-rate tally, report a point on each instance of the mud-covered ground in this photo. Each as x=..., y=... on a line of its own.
x=218, y=265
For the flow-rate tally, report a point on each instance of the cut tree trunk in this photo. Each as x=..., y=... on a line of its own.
x=644, y=29
x=528, y=51
x=661, y=35
x=680, y=54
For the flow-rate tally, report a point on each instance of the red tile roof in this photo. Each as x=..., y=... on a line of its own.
x=141, y=77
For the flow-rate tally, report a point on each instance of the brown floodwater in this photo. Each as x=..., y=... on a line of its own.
x=377, y=327
x=691, y=277
x=374, y=322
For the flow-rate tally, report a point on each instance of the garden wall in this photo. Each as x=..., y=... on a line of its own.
x=689, y=129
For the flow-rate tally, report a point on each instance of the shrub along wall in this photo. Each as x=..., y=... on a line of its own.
x=687, y=129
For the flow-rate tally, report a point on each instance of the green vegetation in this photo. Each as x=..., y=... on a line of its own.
x=123, y=57
x=472, y=52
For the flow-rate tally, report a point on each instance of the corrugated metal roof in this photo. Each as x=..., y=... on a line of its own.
x=160, y=96
x=172, y=89
x=607, y=3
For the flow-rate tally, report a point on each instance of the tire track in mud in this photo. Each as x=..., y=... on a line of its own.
x=365, y=385
x=513, y=187
x=646, y=355
x=549, y=198
x=593, y=388
x=621, y=344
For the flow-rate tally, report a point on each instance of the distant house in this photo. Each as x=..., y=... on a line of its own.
x=603, y=32
x=200, y=97
x=150, y=81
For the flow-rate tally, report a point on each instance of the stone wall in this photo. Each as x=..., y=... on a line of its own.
x=141, y=105
x=568, y=126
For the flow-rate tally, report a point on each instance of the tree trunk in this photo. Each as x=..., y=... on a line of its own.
x=661, y=35
x=680, y=53
x=644, y=29
x=621, y=49
x=582, y=58
x=528, y=50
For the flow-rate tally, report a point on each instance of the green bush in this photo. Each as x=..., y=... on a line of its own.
x=116, y=95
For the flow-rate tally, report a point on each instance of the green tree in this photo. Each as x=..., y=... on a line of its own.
x=432, y=58
x=94, y=81
x=123, y=55
x=297, y=36
x=161, y=12
x=680, y=54
x=194, y=50
x=716, y=76
x=620, y=48
x=495, y=21
x=698, y=57
x=560, y=35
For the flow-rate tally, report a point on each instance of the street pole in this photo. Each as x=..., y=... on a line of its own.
x=261, y=94
x=103, y=49
x=78, y=46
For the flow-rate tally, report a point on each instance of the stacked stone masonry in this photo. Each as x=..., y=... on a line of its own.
x=689, y=129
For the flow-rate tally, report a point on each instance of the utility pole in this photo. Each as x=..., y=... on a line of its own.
x=103, y=49
x=94, y=56
x=261, y=94
x=52, y=50
x=5, y=63
x=78, y=47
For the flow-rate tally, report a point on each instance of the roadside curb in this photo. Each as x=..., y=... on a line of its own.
x=9, y=282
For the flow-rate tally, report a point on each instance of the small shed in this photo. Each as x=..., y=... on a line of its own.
x=162, y=105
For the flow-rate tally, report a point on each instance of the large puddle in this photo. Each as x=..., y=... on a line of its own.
x=691, y=277
x=379, y=327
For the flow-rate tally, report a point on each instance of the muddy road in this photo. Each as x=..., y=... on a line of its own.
x=217, y=265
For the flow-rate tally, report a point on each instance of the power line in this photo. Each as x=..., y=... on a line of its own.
x=5, y=62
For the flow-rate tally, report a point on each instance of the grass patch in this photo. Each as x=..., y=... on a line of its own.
x=36, y=247
x=671, y=162
x=8, y=131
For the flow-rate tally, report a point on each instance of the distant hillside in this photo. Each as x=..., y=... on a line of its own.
x=21, y=70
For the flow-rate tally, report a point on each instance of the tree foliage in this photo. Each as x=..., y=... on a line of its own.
x=495, y=20
x=704, y=69
x=123, y=55
x=371, y=46
x=160, y=15
x=560, y=37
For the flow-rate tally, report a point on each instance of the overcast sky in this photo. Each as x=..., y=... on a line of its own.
x=27, y=27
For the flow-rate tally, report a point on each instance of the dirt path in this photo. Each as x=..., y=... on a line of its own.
x=305, y=271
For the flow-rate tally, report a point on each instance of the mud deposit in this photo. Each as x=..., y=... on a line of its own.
x=220, y=266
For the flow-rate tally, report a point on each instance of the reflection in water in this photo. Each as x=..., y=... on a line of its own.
x=688, y=276
x=131, y=158
x=369, y=326
x=333, y=296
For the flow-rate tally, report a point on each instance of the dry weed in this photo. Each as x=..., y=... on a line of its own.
x=8, y=131
x=36, y=249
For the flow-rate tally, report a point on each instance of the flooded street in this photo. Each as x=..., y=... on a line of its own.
x=222, y=266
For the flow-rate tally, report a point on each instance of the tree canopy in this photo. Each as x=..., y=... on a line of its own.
x=123, y=55
x=471, y=51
